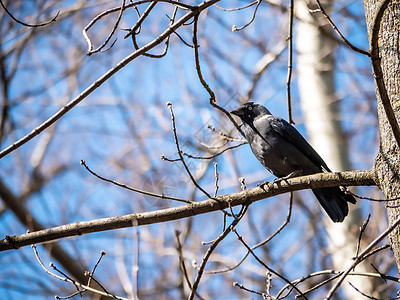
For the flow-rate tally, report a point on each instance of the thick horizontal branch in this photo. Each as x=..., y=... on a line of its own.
x=138, y=219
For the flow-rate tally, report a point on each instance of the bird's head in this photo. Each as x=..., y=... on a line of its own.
x=250, y=111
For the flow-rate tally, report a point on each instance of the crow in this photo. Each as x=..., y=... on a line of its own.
x=284, y=152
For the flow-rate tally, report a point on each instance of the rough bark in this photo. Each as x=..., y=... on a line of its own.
x=387, y=164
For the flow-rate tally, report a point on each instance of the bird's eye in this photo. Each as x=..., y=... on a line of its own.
x=250, y=108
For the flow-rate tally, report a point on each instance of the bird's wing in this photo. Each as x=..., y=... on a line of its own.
x=291, y=134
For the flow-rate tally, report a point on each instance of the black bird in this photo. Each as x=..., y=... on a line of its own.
x=284, y=152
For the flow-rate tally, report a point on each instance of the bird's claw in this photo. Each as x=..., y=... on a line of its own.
x=261, y=184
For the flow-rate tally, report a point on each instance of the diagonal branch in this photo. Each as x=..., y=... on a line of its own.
x=158, y=40
x=174, y=213
x=361, y=257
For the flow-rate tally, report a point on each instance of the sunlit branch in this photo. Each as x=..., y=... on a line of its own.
x=101, y=80
x=196, y=208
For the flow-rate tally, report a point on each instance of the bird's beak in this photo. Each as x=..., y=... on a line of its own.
x=237, y=112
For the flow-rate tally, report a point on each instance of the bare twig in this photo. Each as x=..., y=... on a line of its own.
x=347, y=191
x=237, y=8
x=90, y=275
x=67, y=279
x=234, y=28
x=169, y=105
x=90, y=50
x=361, y=257
x=110, y=35
x=216, y=179
x=346, y=41
x=290, y=61
x=371, y=297
x=182, y=262
x=212, y=156
x=26, y=24
x=335, y=274
x=362, y=229
x=262, y=243
x=240, y=238
x=203, y=82
x=162, y=196
x=212, y=248
x=242, y=287
x=138, y=24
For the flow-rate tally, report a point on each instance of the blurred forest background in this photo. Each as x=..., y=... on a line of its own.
x=123, y=128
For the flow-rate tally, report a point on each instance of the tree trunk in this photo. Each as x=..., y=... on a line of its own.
x=387, y=163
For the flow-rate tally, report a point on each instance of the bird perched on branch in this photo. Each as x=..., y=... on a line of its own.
x=284, y=152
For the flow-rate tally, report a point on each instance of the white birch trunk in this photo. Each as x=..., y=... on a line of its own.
x=315, y=69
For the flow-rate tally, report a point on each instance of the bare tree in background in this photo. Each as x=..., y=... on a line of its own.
x=203, y=60
x=316, y=44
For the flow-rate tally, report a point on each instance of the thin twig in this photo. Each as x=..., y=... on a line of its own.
x=234, y=28
x=212, y=248
x=361, y=257
x=90, y=275
x=280, y=294
x=336, y=29
x=347, y=191
x=110, y=35
x=169, y=105
x=139, y=22
x=242, y=287
x=162, y=196
x=212, y=156
x=26, y=24
x=182, y=262
x=237, y=8
x=262, y=243
x=216, y=179
x=371, y=297
x=201, y=78
x=362, y=229
x=290, y=61
x=66, y=279
x=240, y=238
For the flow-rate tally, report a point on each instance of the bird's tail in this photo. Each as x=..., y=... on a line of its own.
x=334, y=201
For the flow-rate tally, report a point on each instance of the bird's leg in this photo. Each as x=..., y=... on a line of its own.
x=291, y=175
x=284, y=178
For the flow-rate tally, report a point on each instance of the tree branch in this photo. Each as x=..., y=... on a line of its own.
x=174, y=213
x=361, y=257
x=158, y=40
